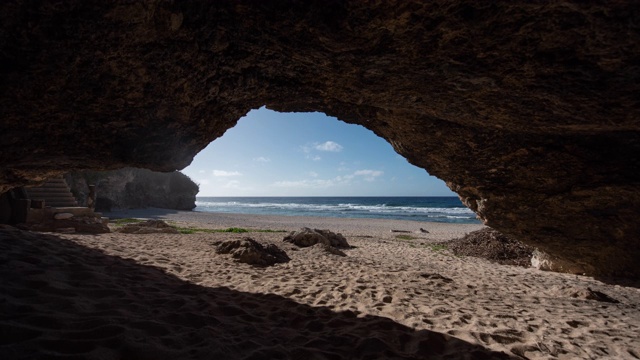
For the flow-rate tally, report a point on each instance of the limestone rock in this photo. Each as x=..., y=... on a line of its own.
x=528, y=110
x=309, y=237
x=251, y=252
x=131, y=188
x=148, y=227
x=572, y=265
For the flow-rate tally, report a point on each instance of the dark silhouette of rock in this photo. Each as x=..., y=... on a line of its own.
x=309, y=237
x=251, y=252
x=528, y=110
x=131, y=188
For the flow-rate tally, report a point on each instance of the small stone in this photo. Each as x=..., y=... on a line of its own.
x=63, y=216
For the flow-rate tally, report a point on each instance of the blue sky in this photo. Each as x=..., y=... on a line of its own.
x=306, y=154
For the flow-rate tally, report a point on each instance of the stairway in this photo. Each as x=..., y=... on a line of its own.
x=55, y=193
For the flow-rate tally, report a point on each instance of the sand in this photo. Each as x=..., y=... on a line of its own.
x=168, y=296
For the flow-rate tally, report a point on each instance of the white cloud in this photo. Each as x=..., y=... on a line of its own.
x=316, y=158
x=329, y=146
x=262, y=159
x=369, y=175
x=223, y=173
x=203, y=181
x=315, y=183
x=201, y=171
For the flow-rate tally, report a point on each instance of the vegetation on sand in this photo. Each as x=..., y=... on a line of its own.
x=126, y=221
x=191, y=230
x=405, y=237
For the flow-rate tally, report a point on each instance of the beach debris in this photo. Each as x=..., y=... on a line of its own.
x=400, y=231
x=309, y=237
x=148, y=227
x=423, y=231
x=589, y=294
x=435, y=276
x=251, y=252
x=492, y=245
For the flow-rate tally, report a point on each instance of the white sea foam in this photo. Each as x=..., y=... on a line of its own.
x=340, y=209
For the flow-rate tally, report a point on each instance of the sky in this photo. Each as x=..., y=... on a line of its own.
x=306, y=154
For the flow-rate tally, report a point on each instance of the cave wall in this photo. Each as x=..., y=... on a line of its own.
x=530, y=112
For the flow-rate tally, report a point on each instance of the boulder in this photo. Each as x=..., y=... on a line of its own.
x=251, y=252
x=132, y=188
x=309, y=237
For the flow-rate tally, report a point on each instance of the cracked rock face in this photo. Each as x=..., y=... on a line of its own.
x=529, y=112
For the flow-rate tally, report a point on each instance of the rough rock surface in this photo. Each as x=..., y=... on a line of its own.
x=251, y=252
x=148, y=227
x=131, y=188
x=491, y=245
x=529, y=111
x=308, y=237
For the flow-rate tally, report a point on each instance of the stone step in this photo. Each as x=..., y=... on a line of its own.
x=57, y=202
x=59, y=205
x=50, y=199
x=54, y=192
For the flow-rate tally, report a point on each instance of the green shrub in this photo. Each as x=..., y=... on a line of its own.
x=125, y=221
x=236, y=230
x=405, y=237
x=438, y=247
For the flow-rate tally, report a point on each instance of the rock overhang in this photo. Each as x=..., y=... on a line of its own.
x=528, y=111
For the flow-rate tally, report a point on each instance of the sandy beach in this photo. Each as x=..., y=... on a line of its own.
x=170, y=296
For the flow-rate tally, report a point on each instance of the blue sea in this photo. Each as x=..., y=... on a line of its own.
x=435, y=209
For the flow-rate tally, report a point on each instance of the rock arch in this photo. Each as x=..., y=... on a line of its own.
x=530, y=112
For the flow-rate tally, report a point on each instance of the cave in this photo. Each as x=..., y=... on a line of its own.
x=529, y=112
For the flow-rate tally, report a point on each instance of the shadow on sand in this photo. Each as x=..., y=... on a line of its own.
x=62, y=300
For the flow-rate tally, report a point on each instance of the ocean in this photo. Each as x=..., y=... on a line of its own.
x=429, y=208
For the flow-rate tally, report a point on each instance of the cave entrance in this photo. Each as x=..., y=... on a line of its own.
x=271, y=155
